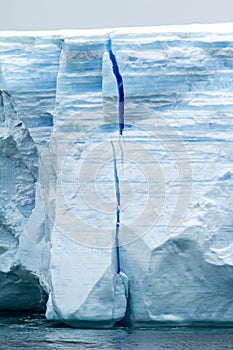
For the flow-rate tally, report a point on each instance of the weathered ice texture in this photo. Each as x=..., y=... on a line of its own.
x=116, y=155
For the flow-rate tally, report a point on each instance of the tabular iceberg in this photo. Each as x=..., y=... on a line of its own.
x=116, y=175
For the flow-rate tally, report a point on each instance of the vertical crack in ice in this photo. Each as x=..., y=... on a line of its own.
x=120, y=85
x=2, y=108
x=62, y=42
x=118, y=210
x=121, y=100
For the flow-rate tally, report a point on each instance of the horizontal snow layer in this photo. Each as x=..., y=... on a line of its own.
x=174, y=165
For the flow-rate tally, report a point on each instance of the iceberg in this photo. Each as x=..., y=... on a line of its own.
x=116, y=175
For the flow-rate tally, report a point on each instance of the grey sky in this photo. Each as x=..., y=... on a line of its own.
x=75, y=14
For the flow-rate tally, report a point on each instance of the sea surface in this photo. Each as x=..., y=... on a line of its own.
x=32, y=331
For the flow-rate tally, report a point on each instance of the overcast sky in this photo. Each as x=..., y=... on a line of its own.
x=79, y=14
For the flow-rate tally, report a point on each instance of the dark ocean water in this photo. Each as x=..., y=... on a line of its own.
x=33, y=332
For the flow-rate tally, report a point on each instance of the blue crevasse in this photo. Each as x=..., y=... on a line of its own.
x=120, y=85
x=118, y=204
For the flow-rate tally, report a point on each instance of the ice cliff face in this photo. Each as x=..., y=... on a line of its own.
x=116, y=175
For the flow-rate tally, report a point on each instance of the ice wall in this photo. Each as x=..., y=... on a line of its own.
x=86, y=288
x=66, y=137
x=178, y=88
x=28, y=75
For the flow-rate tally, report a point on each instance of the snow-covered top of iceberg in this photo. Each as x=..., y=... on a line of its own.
x=220, y=28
